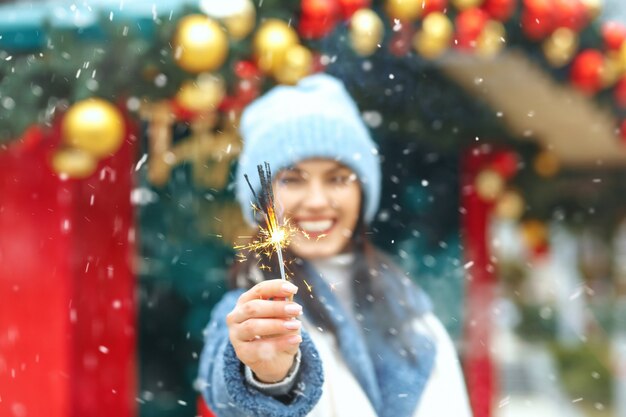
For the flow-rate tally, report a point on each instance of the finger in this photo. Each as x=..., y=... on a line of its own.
x=254, y=328
x=273, y=288
x=266, y=349
x=258, y=309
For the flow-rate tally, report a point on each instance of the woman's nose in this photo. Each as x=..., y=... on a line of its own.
x=317, y=197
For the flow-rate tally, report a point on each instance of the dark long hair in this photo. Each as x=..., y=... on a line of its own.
x=376, y=281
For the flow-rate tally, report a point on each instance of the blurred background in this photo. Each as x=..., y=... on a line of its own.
x=502, y=133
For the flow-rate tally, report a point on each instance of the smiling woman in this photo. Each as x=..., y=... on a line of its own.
x=359, y=337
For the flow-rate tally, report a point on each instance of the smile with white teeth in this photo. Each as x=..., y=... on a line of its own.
x=315, y=226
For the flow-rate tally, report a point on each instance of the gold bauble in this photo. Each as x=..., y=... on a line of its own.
x=489, y=184
x=404, y=10
x=559, y=48
x=271, y=43
x=74, y=163
x=94, y=126
x=491, y=40
x=510, y=205
x=610, y=71
x=240, y=24
x=546, y=164
x=435, y=36
x=203, y=94
x=366, y=31
x=297, y=65
x=200, y=44
x=466, y=4
x=594, y=7
x=534, y=233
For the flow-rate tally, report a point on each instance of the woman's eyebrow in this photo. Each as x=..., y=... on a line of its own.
x=336, y=169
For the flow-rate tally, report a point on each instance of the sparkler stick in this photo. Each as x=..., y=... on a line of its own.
x=275, y=236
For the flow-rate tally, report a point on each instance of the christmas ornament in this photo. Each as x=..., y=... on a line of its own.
x=505, y=163
x=94, y=126
x=510, y=205
x=613, y=35
x=466, y=4
x=537, y=18
x=560, y=47
x=200, y=44
x=489, y=184
x=593, y=8
x=501, y=10
x=400, y=43
x=435, y=36
x=238, y=16
x=546, y=164
x=203, y=94
x=403, y=10
x=298, y=64
x=270, y=44
x=534, y=234
x=586, y=70
x=74, y=163
x=430, y=6
x=350, y=7
x=366, y=32
x=491, y=40
x=469, y=26
x=318, y=18
x=619, y=92
x=569, y=14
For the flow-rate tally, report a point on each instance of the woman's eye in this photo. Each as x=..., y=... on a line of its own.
x=340, y=179
x=290, y=180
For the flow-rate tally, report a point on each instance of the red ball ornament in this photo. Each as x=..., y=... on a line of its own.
x=318, y=18
x=348, y=7
x=505, y=164
x=430, y=6
x=400, y=43
x=619, y=92
x=246, y=70
x=500, y=10
x=613, y=34
x=469, y=25
x=570, y=14
x=586, y=71
x=536, y=27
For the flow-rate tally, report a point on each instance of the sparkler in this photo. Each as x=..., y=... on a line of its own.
x=274, y=236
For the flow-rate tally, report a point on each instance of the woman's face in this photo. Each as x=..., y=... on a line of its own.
x=322, y=200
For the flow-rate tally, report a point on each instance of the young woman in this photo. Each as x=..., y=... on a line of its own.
x=359, y=339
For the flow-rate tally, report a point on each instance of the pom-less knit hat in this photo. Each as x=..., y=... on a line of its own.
x=314, y=119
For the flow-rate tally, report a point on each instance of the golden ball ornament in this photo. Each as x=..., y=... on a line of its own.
x=366, y=31
x=534, y=233
x=510, y=205
x=489, y=185
x=559, y=48
x=435, y=36
x=202, y=94
x=200, y=44
x=610, y=71
x=297, y=64
x=74, y=163
x=491, y=40
x=240, y=24
x=404, y=10
x=271, y=43
x=546, y=164
x=94, y=126
x=466, y=4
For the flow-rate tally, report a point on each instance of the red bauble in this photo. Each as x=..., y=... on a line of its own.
x=586, y=69
x=430, y=6
x=400, y=43
x=318, y=18
x=500, y=10
x=614, y=35
x=536, y=26
x=469, y=25
x=348, y=7
x=619, y=92
x=539, y=7
x=505, y=164
x=571, y=14
x=246, y=70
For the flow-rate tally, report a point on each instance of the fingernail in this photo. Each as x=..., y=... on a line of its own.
x=290, y=288
x=293, y=308
x=292, y=324
x=294, y=340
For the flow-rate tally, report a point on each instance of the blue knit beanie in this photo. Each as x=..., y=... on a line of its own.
x=314, y=119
